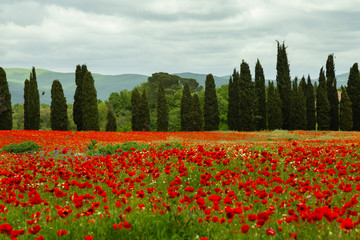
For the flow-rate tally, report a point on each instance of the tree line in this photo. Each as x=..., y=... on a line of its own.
x=170, y=103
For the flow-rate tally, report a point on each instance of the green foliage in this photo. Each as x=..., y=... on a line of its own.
x=24, y=147
x=111, y=149
x=346, y=115
x=121, y=103
x=234, y=101
x=5, y=103
x=162, y=111
x=33, y=110
x=260, y=112
x=90, y=111
x=353, y=90
x=78, y=99
x=248, y=100
x=332, y=93
x=322, y=104
x=284, y=83
x=186, y=109
x=310, y=106
x=274, y=108
x=211, y=109
x=58, y=117
x=222, y=94
x=196, y=114
x=111, y=120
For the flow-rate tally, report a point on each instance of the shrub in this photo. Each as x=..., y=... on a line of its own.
x=24, y=147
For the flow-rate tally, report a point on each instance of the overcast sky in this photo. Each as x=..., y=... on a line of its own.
x=202, y=36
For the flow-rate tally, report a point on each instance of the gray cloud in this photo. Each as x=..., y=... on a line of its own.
x=136, y=36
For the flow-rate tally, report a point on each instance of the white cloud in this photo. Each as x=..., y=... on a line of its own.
x=177, y=36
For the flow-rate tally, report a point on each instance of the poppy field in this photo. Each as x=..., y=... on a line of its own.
x=183, y=185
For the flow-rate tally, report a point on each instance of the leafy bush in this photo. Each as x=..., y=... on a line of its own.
x=111, y=149
x=24, y=147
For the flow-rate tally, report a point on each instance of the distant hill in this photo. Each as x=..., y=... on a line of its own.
x=105, y=84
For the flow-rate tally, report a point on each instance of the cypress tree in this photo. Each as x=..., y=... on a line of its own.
x=144, y=112
x=135, y=110
x=5, y=103
x=332, y=93
x=185, y=109
x=261, y=97
x=310, y=106
x=26, y=105
x=274, y=108
x=298, y=110
x=247, y=99
x=162, y=110
x=211, y=109
x=353, y=90
x=346, y=115
x=90, y=112
x=111, y=119
x=322, y=104
x=77, y=108
x=33, y=103
x=303, y=85
x=197, y=117
x=233, y=106
x=284, y=83
x=58, y=108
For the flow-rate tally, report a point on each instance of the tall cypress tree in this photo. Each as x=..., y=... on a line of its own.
x=211, y=108
x=284, y=83
x=77, y=108
x=34, y=102
x=322, y=104
x=303, y=85
x=261, y=97
x=233, y=106
x=353, y=90
x=310, y=106
x=346, y=115
x=111, y=119
x=197, y=117
x=90, y=112
x=26, y=105
x=144, y=112
x=332, y=93
x=58, y=108
x=274, y=108
x=162, y=110
x=185, y=109
x=248, y=102
x=298, y=108
x=135, y=110
x=5, y=103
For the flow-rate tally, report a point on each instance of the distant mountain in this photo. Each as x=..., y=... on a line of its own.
x=105, y=84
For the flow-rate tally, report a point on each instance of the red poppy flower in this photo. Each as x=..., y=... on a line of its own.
x=270, y=231
x=35, y=229
x=61, y=233
x=245, y=228
x=126, y=225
